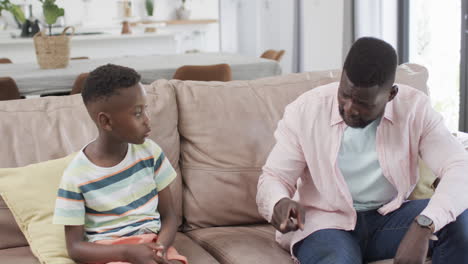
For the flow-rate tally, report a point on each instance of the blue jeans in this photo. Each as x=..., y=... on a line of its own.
x=377, y=237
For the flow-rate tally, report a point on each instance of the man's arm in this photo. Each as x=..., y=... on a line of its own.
x=447, y=158
x=449, y=161
x=168, y=218
x=284, y=166
x=86, y=252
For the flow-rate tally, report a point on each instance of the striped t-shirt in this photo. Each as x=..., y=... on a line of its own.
x=116, y=201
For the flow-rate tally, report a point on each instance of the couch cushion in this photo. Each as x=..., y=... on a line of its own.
x=194, y=253
x=184, y=245
x=227, y=133
x=10, y=232
x=17, y=255
x=33, y=206
x=233, y=245
x=243, y=244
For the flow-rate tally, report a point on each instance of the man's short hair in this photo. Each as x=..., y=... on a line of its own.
x=106, y=80
x=370, y=62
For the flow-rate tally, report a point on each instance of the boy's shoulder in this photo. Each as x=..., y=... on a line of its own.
x=149, y=147
x=79, y=165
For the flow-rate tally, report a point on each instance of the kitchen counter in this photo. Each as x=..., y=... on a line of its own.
x=172, y=36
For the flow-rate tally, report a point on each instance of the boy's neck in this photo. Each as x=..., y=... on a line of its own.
x=105, y=152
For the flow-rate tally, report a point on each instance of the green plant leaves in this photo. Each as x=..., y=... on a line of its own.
x=15, y=10
x=51, y=11
x=18, y=13
x=149, y=7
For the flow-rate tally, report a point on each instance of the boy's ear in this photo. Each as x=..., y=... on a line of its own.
x=104, y=121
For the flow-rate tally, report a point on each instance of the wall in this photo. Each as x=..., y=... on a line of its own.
x=377, y=18
x=250, y=27
x=105, y=12
x=323, y=34
x=105, y=15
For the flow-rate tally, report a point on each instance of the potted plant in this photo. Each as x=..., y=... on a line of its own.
x=15, y=10
x=149, y=4
x=51, y=12
x=52, y=51
x=183, y=12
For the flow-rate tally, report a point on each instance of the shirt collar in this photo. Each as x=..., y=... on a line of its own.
x=336, y=117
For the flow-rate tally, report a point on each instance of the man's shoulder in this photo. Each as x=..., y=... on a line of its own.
x=410, y=97
x=318, y=95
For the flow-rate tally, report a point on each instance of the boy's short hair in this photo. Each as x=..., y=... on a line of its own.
x=370, y=62
x=106, y=80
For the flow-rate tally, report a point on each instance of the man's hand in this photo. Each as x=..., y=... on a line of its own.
x=285, y=211
x=414, y=246
x=149, y=253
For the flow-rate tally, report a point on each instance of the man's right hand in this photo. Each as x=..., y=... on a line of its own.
x=288, y=215
x=145, y=254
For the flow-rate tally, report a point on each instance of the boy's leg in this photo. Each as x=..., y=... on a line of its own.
x=329, y=246
x=389, y=230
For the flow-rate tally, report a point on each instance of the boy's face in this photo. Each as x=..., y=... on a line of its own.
x=128, y=116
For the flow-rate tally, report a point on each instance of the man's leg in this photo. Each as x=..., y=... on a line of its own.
x=452, y=246
x=329, y=246
x=388, y=231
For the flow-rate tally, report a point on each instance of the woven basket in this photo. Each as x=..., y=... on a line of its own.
x=53, y=52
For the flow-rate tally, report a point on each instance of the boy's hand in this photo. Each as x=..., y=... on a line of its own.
x=161, y=251
x=148, y=253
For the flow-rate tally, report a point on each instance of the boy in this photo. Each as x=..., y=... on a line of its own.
x=114, y=197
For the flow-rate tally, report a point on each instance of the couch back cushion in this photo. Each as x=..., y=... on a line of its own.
x=226, y=134
x=40, y=129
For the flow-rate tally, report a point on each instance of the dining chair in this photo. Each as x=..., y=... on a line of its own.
x=272, y=54
x=5, y=60
x=217, y=72
x=8, y=89
x=79, y=83
x=79, y=58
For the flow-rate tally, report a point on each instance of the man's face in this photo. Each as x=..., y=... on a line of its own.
x=360, y=106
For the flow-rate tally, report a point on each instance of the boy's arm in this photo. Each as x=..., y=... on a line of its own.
x=87, y=252
x=168, y=218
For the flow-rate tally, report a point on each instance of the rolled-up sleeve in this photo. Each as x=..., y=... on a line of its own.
x=284, y=165
x=449, y=161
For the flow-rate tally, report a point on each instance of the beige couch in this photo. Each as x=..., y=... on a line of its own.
x=217, y=136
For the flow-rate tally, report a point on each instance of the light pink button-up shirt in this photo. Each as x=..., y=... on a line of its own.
x=303, y=163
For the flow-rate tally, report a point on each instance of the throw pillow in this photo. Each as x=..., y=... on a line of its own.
x=30, y=194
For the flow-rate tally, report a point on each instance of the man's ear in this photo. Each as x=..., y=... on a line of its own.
x=104, y=121
x=393, y=92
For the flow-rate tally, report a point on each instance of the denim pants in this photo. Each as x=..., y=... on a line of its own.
x=377, y=237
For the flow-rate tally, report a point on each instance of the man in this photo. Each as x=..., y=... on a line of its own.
x=336, y=182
